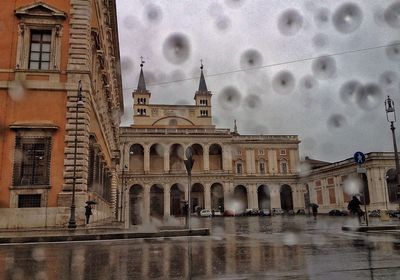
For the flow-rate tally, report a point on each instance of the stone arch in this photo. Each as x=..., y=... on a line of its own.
x=217, y=197
x=240, y=198
x=198, y=157
x=215, y=157
x=197, y=197
x=157, y=201
x=176, y=153
x=391, y=183
x=136, y=159
x=177, y=200
x=264, y=197
x=286, y=198
x=136, y=204
x=156, y=158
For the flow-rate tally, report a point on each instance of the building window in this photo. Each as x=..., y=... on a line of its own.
x=283, y=167
x=32, y=161
x=203, y=102
x=239, y=168
x=261, y=152
x=29, y=200
x=203, y=113
x=282, y=152
x=39, y=53
x=262, y=167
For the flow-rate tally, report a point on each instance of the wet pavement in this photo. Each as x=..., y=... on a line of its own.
x=238, y=248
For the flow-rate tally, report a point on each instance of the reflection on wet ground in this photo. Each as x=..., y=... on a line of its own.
x=239, y=248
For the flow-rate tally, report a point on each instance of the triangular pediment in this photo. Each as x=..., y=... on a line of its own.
x=40, y=9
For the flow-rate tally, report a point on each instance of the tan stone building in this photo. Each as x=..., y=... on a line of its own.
x=50, y=127
x=231, y=171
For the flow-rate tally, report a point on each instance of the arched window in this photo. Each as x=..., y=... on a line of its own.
x=239, y=167
x=262, y=166
x=283, y=166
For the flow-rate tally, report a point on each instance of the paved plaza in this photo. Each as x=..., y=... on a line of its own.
x=276, y=247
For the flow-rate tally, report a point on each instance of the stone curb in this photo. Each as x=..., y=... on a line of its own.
x=104, y=236
x=370, y=228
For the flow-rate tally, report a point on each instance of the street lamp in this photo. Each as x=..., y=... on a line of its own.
x=79, y=102
x=189, y=165
x=391, y=117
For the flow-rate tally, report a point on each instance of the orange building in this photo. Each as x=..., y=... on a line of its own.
x=50, y=129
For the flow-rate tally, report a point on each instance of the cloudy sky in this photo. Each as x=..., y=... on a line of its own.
x=317, y=69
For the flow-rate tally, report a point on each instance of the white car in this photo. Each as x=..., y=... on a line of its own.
x=205, y=213
x=217, y=213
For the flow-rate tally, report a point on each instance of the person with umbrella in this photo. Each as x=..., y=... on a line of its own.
x=314, y=208
x=88, y=210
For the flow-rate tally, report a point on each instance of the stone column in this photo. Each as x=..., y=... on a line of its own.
x=227, y=158
x=126, y=208
x=275, y=197
x=146, y=203
x=166, y=159
x=207, y=196
x=206, y=157
x=146, y=158
x=167, y=201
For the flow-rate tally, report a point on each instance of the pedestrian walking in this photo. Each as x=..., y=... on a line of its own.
x=88, y=212
x=355, y=208
x=314, y=208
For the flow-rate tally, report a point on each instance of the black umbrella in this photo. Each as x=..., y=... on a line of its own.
x=91, y=202
x=313, y=205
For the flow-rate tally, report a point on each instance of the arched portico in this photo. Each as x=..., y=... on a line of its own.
x=136, y=159
x=177, y=200
x=263, y=197
x=286, y=198
x=156, y=158
x=136, y=204
x=217, y=197
x=198, y=157
x=240, y=199
x=197, y=197
x=157, y=201
x=176, y=152
x=215, y=157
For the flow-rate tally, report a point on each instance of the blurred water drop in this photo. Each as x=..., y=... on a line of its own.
x=229, y=98
x=130, y=22
x=350, y=91
x=393, y=51
x=290, y=22
x=347, y=18
x=223, y=23
x=38, y=254
x=320, y=40
x=234, y=3
x=352, y=186
x=126, y=63
x=283, y=82
x=215, y=9
x=389, y=81
x=177, y=75
x=321, y=17
x=324, y=67
x=308, y=83
x=16, y=91
x=304, y=168
x=290, y=239
x=153, y=13
x=176, y=48
x=392, y=15
x=336, y=121
x=370, y=97
x=150, y=77
x=309, y=143
x=252, y=102
x=251, y=58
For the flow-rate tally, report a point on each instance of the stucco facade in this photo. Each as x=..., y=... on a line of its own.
x=50, y=46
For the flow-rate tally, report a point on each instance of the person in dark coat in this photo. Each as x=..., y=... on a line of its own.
x=355, y=208
x=314, y=208
x=88, y=213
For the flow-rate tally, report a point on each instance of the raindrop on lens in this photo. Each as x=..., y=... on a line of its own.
x=290, y=22
x=324, y=67
x=389, y=81
x=336, y=121
x=153, y=13
x=283, y=82
x=393, y=51
x=321, y=17
x=176, y=48
x=308, y=83
x=252, y=102
x=126, y=64
x=177, y=75
x=320, y=40
x=347, y=18
x=229, y=98
x=251, y=58
x=16, y=91
x=392, y=15
x=223, y=23
x=350, y=91
x=370, y=97
x=130, y=22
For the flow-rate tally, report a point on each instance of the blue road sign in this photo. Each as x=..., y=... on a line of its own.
x=359, y=157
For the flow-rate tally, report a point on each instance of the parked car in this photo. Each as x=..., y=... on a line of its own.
x=375, y=213
x=394, y=213
x=265, y=212
x=205, y=213
x=301, y=212
x=251, y=212
x=336, y=212
x=216, y=213
x=229, y=213
x=277, y=211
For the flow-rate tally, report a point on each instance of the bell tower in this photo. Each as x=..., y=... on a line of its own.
x=141, y=97
x=203, y=97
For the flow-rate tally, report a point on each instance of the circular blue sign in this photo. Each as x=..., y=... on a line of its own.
x=359, y=157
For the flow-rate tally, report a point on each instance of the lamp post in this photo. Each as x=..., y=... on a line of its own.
x=79, y=102
x=391, y=117
x=189, y=165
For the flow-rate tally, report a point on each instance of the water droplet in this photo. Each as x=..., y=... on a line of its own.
x=229, y=98
x=347, y=18
x=392, y=15
x=153, y=13
x=252, y=102
x=324, y=67
x=321, y=17
x=223, y=23
x=16, y=91
x=393, y=51
x=126, y=63
x=389, y=81
x=290, y=22
x=284, y=82
x=234, y=3
x=176, y=48
x=370, y=97
x=308, y=83
x=251, y=58
x=352, y=185
x=350, y=91
x=336, y=121
x=320, y=40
